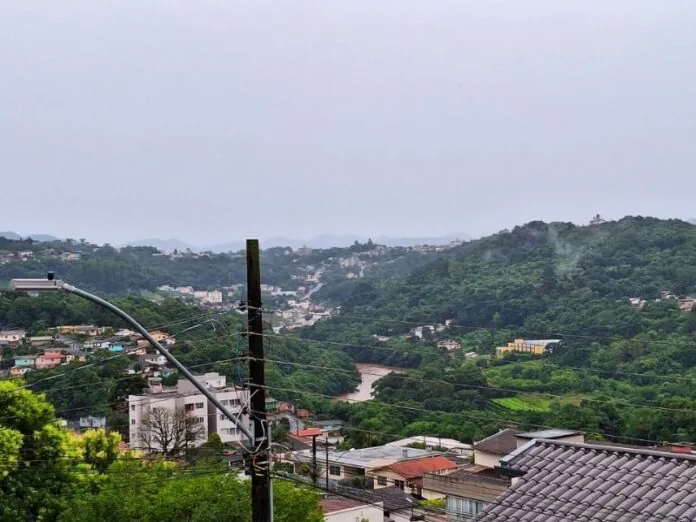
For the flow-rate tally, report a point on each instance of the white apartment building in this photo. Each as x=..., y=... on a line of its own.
x=185, y=396
x=214, y=297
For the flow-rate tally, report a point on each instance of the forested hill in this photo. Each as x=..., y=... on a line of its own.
x=538, y=281
x=128, y=270
x=528, y=276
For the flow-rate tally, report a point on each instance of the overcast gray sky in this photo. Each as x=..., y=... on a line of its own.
x=217, y=120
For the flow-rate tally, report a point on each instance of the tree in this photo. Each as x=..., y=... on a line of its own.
x=137, y=492
x=170, y=432
x=100, y=448
x=35, y=477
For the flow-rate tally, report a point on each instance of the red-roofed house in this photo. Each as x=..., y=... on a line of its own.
x=309, y=432
x=305, y=436
x=49, y=360
x=408, y=474
x=348, y=510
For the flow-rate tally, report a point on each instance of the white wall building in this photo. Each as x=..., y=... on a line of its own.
x=185, y=396
x=214, y=297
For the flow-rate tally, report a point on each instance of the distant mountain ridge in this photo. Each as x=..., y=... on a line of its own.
x=323, y=241
x=36, y=237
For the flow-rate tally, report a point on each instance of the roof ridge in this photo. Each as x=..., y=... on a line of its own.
x=497, y=433
x=597, y=447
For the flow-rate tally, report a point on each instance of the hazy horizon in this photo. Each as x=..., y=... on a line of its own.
x=215, y=121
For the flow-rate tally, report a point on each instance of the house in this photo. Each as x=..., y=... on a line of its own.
x=158, y=335
x=397, y=505
x=24, y=361
x=19, y=371
x=557, y=480
x=686, y=305
x=468, y=490
x=49, y=360
x=116, y=347
x=159, y=360
x=306, y=436
x=40, y=340
x=92, y=422
x=532, y=346
x=449, y=345
x=271, y=405
x=408, y=474
x=341, y=509
x=124, y=332
x=13, y=337
x=359, y=463
x=96, y=344
x=489, y=451
x=452, y=446
x=302, y=413
x=285, y=407
x=79, y=329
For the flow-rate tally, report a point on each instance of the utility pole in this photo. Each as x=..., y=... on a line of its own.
x=314, y=459
x=261, y=510
x=327, y=462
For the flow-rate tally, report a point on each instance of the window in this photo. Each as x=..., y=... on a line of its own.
x=199, y=405
x=225, y=402
x=235, y=402
x=190, y=407
x=382, y=481
x=222, y=417
x=335, y=470
x=399, y=484
x=132, y=421
x=132, y=407
x=463, y=508
x=200, y=420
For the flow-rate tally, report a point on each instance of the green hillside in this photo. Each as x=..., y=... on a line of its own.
x=548, y=281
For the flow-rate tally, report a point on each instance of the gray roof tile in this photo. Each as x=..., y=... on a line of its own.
x=566, y=481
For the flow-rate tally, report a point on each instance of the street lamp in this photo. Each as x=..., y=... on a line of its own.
x=51, y=284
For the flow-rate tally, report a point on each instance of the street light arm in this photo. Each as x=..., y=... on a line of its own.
x=173, y=360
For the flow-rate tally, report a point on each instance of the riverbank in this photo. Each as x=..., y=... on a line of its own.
x=369, y=374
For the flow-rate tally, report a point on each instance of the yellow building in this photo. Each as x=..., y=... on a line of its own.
x=533, y=346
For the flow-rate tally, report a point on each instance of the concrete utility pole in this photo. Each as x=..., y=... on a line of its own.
x=261, y=503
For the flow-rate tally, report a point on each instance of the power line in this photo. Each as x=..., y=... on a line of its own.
x=468, y=415
x=480, y=387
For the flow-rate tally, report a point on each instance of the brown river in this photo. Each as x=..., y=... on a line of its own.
x=370, y=373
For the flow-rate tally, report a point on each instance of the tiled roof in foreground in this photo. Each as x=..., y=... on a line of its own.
x=564, y=482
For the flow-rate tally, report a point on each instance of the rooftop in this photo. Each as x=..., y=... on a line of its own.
x=571, y=481
x=418, y=467
x=366, y=457
x=331, y=505
x=548, y=434
x=433, y=442
x=500, y=443
x=308, y=432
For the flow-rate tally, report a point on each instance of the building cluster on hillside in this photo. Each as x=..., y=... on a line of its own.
x=70, y=343
x=685, y=304
x=188, y=293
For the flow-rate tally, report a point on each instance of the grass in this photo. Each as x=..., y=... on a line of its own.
x=524, y=403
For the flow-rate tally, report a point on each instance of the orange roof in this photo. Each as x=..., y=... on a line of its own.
x=308, y=432
x=415, y=468
x=52, y=355
x=331, y=505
